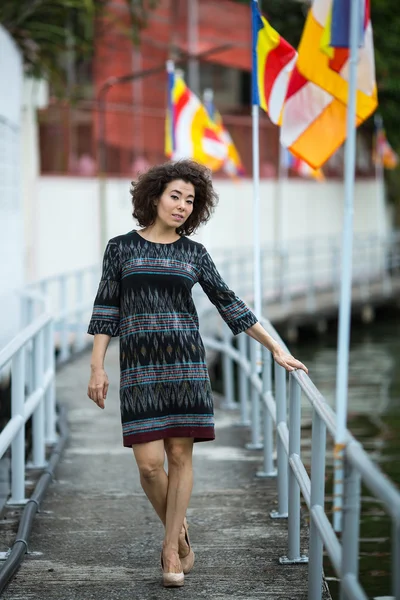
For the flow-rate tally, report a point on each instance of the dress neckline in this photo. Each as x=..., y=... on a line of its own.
x=157, y=243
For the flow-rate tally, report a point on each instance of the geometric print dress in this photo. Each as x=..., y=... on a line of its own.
x=145, y=298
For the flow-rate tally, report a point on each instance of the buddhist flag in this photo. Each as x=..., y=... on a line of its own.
x=324, y=55
x=383, y=153
x=314, y=114
x=301, y=168
x=190, y=133
x=233, y=165
x=273, y=61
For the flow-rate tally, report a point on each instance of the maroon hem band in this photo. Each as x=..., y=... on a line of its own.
x=203, y=434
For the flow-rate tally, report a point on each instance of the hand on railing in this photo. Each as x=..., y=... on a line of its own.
x=280, y=355
x=98, y=387
x=286, y=360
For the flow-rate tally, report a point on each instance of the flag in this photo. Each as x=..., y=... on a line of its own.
x=273, y=61
x=233, y=165
x=300, y=167
x=383, y=153
x=324, y=55
x=190, y=133
x=315, y=109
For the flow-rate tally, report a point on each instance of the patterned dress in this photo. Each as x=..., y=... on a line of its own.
x=145, y=298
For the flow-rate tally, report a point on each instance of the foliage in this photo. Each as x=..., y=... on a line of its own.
x=48, y=31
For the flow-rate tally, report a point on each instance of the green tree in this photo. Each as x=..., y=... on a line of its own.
x=50, y=33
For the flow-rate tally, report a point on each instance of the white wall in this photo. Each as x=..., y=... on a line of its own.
x=67, y=216
x=35, y=95
x=11, y=211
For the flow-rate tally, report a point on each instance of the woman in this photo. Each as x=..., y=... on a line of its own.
x=145, y=297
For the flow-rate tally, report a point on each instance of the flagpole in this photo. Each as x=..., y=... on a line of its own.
x=346, y=270
x=256, y=200
x=170, y=66
x=378, y=175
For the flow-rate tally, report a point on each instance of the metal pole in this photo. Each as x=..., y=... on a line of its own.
x=102, y=157
x=351, y=525
x=38, y=432
x=227, y=365
x=18, y=443
x=396, y=559
x=243, y=388
x=192, y=44
x=255, y=443
x=51, y=434
x=256, y=215
x=80, y=330
x=63, y=321
x=268, y=470
x=282, y=461
x=379, y=176
x=345, y=291
x=255, y=113
x=294, y=555
x=318, y=450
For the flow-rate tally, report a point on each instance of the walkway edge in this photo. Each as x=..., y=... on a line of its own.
x=20, y=546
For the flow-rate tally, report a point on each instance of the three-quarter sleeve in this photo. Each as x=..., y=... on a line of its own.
x=105, y=316
x=231, y=308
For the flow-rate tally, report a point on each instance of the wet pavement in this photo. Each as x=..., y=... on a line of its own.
x=97, y=536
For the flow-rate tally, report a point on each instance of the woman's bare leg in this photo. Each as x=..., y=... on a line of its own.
x=154, y=480
x=180, y=483
x=150, y=461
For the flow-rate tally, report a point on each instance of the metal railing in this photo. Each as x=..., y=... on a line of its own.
x=70, y=296
x=30, y=354
x=268, y=411
x=54, y=316
x=308, y=267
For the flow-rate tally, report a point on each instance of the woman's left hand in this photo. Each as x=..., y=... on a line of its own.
x=286, y=360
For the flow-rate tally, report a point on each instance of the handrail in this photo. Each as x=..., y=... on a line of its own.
x=358, y=466
x=22, y=338
x=53, y=313
x=31, y=354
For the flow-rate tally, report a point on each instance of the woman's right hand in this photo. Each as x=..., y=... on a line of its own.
x=98, y=386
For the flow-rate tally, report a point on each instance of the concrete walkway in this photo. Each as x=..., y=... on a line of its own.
x=98, y=538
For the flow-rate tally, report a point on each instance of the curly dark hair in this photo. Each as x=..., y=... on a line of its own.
x=150, y=186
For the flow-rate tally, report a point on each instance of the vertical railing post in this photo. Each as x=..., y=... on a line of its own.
x=310, y=267
x=50, y=403
x=38, y=429
x=243, y=387
x=27, y=306
x=396, y=558
x=63, y=322
x=335, y=271
x=18, y=443
x=80, y=328
x=318, y=450
x=282, y=460
x=351, y=524
x=255, y=443
x=385, y=250
x=268, y=467
x=229, y=388
x=227, y=363
x=294, y=555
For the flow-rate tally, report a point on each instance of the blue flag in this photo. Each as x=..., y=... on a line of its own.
x=340, y=26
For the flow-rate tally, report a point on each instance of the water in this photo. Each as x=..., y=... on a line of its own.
x=374, y=419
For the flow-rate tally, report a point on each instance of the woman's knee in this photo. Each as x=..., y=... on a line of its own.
x=179, y=453
x=150, y=461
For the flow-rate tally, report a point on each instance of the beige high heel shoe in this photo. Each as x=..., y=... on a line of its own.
x=172, y=579
x=187, y=561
